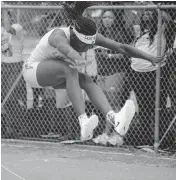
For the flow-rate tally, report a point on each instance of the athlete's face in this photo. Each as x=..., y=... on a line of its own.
x=77, y=44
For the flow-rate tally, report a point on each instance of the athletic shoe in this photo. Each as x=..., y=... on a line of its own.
x=87, y=127
x=124, y=118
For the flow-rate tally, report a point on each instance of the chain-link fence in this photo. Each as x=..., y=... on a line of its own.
x=31, y=113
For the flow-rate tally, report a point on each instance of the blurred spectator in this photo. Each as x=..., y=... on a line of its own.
x=113, y=67
x=11, y=66
x=12, y=38
x=12, y=57
x=132, y=17
x=143, y=77
x=11, y=48
x=113, y=27
x=168, y=80
x=96, y=15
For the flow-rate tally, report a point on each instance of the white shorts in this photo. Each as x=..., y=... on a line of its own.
x=29, y=74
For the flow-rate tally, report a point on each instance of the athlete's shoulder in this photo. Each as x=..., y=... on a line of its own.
x=57, y=36
x=59, y=32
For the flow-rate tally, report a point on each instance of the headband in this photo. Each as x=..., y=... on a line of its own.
x=84, y=38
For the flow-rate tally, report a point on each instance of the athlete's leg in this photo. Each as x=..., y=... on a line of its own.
x=120, y=120
x=96, y=96
x=58, y=73
x=54, y=72
x=94, y=93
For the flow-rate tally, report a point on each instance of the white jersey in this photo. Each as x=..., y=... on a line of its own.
x=44, y=50
x=143, y=44
x=14, y=44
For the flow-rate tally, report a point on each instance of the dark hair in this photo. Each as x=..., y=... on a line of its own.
x=125, y=34
x=169, y=31
x=82, y=25
x=153, y=29
x=170, y=34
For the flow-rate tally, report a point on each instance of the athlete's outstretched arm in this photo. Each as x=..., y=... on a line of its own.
x=125, y=49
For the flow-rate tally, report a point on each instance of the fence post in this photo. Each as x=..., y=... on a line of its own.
x=18, y=14
x=157, y=100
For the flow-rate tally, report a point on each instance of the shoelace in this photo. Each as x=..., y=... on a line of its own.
x=111, y=118
x=82, y=121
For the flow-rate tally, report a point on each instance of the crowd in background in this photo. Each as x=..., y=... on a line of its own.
x=31, y=112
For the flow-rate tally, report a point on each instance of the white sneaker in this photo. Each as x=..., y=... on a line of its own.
x=87, y=127
x=124, y=118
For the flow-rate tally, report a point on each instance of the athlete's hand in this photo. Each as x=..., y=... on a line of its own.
x=159, y=60
x=70, y=62
x=78, y=64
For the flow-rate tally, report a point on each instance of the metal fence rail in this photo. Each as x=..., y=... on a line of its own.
x=35, y=113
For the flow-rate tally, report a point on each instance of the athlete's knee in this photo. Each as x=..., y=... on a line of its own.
x=71, y=73
x=85, y=80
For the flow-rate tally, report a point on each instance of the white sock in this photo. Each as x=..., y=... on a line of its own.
x=110, y=116
x=82, y=117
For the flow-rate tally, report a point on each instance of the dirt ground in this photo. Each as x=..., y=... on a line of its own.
x=54, y=161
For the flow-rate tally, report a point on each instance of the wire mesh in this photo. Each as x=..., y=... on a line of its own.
x=32, y=113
